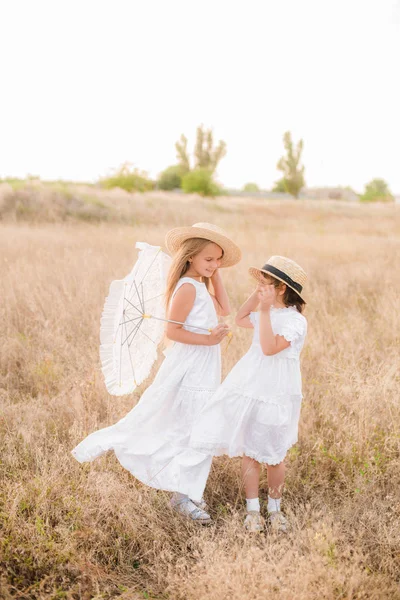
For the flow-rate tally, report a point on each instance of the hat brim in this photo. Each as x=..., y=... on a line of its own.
x=175, y=238
x=257, y=274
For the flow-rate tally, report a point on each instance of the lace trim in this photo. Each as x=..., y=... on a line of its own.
x=143, y=360
x=277, y=399
x=216, y=450
x=186, y=388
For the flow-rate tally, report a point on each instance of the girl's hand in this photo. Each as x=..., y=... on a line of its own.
x=216, y=275
x=266, y=296
x=220, y=297
x=217, y=335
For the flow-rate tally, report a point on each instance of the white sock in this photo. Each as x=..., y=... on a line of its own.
x=253, y=504
x=274, y=504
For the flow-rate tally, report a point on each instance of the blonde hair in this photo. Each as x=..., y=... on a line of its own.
x=180, y=264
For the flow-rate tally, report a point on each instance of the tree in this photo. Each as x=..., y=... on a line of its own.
x=171, y=178
x=377, y=190
x=293, y=173
x=182, y=154
x=206, y=155
x=251, y=187
x=200, y=181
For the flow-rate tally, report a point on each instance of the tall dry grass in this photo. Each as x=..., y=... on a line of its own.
x=92, y=531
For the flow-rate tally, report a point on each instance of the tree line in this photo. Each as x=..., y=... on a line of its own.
x=197, y=174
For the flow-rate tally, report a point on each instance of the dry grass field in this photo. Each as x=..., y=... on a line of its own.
x=91, y=531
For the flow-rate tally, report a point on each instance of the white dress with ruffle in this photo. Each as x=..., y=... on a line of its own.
x=255, y=411
x=151, y=441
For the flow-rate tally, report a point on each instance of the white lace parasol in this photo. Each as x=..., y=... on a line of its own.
x=132, y=323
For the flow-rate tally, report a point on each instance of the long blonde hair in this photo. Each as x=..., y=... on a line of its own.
x=180, y=265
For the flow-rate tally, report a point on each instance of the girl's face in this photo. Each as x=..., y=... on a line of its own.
x=266, y=280
x=205, y=263
x=279, y=288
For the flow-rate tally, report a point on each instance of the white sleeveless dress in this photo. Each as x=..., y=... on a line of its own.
x=255, y=411
x=151, y=441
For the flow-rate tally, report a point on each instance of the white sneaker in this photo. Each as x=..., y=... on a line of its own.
x=189, y=509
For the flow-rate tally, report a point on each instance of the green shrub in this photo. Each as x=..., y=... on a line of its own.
x=280, y=187
x=377, y=190
x=171, y=178
x=200, y=181
x=251, y=187
x=14, y=182
x=131, y=180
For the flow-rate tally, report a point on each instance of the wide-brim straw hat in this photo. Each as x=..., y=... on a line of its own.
x=206, y=231
x=285, y=270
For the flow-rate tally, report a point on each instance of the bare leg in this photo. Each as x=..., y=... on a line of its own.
x=250, y=476
x=276, y=479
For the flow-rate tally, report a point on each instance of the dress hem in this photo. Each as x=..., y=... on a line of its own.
x=191, y=491
x=216, y=450
x=277, y=399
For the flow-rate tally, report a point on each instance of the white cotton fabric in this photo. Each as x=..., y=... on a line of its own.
x=151, y=441
x=255, y=411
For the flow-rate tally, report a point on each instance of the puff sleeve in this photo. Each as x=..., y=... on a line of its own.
x=294, y=328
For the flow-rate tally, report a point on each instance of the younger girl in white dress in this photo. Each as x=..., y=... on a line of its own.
x=255, y=412
x=152, y=440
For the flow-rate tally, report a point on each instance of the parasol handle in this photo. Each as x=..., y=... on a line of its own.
x=146, y=316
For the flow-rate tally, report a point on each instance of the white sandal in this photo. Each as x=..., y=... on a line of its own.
x=253, y=522
x=278, y=521
x=202, y=504
x=189, y=509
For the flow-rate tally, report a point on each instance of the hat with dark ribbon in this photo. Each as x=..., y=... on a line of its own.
x=285, y=270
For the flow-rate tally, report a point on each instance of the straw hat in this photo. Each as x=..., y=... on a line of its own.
x=284, y=270
x=206, y=231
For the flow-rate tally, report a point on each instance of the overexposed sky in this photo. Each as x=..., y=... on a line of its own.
x=89, y=84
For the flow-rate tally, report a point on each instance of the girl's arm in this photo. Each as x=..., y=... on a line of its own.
x=220, y=298
x=181, y=306
x=270, y=343
x=242, y=316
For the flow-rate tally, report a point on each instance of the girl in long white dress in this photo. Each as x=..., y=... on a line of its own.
x=255, y=412
x=151, y=441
